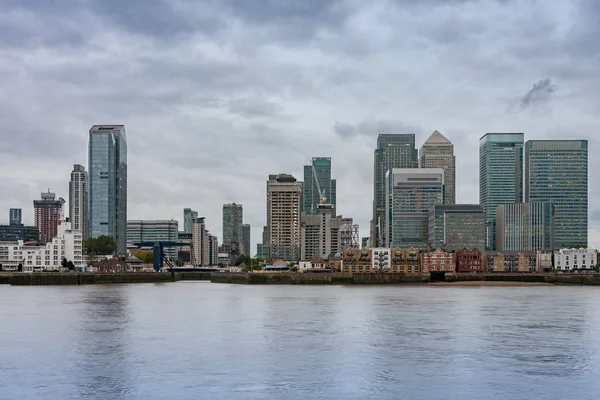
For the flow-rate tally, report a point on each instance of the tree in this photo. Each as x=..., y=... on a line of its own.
x=101, y=245
x=147, y=257
x=20, y=267
x=179, y=262
x=64, y=263
x=243, y=259
x=70, y=266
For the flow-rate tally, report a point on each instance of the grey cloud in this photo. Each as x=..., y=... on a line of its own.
x=539, y=93
x=251, y=108
x=372, y=128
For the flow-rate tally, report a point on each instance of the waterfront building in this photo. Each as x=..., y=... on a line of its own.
x=189, y=216
x=318, y=187
x=48, y=214
x=394, y=260
x=154, y=231
x=213, y=250
x=406, y=261
x=184, y=252
x=78, y=200
x=556, y=171
x=223, y=260
x=410, y=195
x=438, y=152
x=233, y=217
x=544, y=261
x=67, y=244
x=500, y=176
x=511, y=261
x=469, y=260
x=525, y=227
x=15, y=216
x=246, y=228
x=320, y=233
x=353, y=260
x=107, y=157
x=393, y=151
x=283, y=216
x=456, y=226
x=262, y=249
x=576, y=260
x=349, y=234
x=200, y=243
x=438, y=260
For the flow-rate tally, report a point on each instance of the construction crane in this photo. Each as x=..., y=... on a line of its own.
x=322, y=194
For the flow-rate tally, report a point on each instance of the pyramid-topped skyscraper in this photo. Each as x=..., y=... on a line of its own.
x=438, y=152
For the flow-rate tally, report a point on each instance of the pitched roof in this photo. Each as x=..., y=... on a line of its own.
x=437, y=137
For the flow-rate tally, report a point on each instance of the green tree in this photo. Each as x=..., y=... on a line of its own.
x=64, y=263
x=101, y=245
x=70, y=266
x=243, y=259
x=179, y=262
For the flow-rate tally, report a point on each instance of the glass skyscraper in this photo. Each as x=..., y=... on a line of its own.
x=393, y=151
x=410, y=194
x=233, y=221
x=556, y=171
x=525, y=227
x=107, y=156
x=500, y=176
x=311, y=197
x=438, y=152
x=457, y=226
x=189, y=216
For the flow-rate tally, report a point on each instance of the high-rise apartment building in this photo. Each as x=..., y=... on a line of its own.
x=15, y=216
x=233, y=221
x=318, y=187
x=246, y=240
x=48, y=215
x=78, y=200
x=393, y=151
x=556, y=171
x=410, y=195
x=457, y=226
x=500, y=176
x=262, y=249
x=320, y=233
x=154, y=231
x=525, y=227
x=213, y=250
x=189, y=216
x=438, y=152
x=200, y=243
x=283, y=216
x=107, y=157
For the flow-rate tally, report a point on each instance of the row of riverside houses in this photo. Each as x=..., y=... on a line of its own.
x=415, y=261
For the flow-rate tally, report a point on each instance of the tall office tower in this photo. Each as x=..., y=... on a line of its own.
x=525, y=227
x=457, y=226
x=233, y=217
x=500, y=176
x=189, y=216
x=78, y=200
x=48, y=214
x=246, y=240
x=262, y=249
x=318, y=187
x=15, y=216
x=200, y=243
x=320, y=234
x=556, y=171
x=283, y=216
x=410, y=195
x=154, y=231
x=438, y=152
x=107, y=157
x=213, y=250
x=393, y=151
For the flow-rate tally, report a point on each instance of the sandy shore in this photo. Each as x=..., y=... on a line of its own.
x=488, y=283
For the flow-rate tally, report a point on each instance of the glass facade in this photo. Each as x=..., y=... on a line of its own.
x=525, y=227
x=246, y=239
x=189, y=216
x=108, y=183
x=457, y=226
x=500, y=176
x=15, y=216
x=233, y=217
x=411, y=193
x=310, y=192
x=556, y=171
x=438, y=152
x=393, y=151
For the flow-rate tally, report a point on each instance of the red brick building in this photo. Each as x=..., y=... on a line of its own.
x=469, y=260
x=48, y=213
x=438, y=260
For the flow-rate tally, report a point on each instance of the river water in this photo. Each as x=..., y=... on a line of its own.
x=197, y=340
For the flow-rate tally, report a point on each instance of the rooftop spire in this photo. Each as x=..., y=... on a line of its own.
x=437, y=137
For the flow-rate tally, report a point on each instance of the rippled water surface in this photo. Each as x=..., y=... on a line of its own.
x=197, y=340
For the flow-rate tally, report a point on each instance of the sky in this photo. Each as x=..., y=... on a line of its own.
x=218, y=94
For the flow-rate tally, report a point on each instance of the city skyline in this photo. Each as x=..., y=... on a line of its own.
x=325, y=90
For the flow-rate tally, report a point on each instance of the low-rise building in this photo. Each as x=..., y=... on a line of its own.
x=153, y=231
x=405, y=260
x=511, y=261
x=544, y=261
x=353, y=260
x=576, y=260
x=385, y=259
x=469, y=260
x=438, y=260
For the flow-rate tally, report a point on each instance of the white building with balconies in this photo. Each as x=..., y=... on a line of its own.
x=575, y=260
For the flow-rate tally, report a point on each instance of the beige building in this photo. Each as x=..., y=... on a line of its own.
x=511, y=261
x=438, y=152
x=320, y=233
x=381, y=260
x=200, y=243
x=283, y=216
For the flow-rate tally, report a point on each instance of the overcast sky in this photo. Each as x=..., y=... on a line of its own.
x=217, y=94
